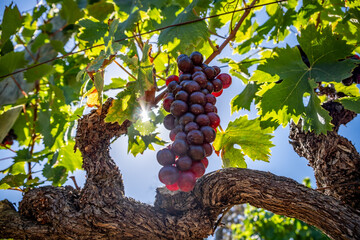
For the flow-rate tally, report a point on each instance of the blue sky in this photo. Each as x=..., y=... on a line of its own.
x=140, y=173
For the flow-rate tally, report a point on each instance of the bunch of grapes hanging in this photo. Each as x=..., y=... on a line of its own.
x=192, y=121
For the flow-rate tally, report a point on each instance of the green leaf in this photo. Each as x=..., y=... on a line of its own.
x=298, y=79
x=11, y=21
x=351, y=103
x=123, y=107
x=186, y=37
x=16, y=180
x=252, y=139
x=245, y=98
x=58, y=46
x=128, y=25
x=144, y=128
x=38, y=41
x=6, y=47
x=38, y=72
x=325, y=49
x=145, y=80
x=57, y=175
x=70, y=11
x=115, y=84
x=112, y=47
x=68, y=158
x=15, y=168
x=100, y=10
x=138, y=144
x=316, y=117
x=10, y=62
x=37, y=12
x=92, y=31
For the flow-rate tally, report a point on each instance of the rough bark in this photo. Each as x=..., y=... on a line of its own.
x=177, y=215
x=101, y=211
x=335, y=161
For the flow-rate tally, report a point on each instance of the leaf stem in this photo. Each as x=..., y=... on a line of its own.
x=3, y=145
x=18, y=85
x=232, y=34
x=26, y=48
x=125, y=70
x=2, y=159
x=34, y=135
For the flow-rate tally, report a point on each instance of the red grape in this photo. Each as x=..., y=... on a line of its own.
x=168, y=175
x=186, y=181
x=225, y=79
x=217, y=94
x=173, y=187
x=214, y=120
x=171, y=78
x=205, y=161
x=198, y=169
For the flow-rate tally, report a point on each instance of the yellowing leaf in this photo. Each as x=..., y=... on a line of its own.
x=93, y=99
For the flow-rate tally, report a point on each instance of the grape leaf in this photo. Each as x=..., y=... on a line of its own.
x=68, y=158
x=100, y=10
x=16, y=180
x=128, y=25
x=144, y=128
x=6, y=47
x=92, y=31
x=245, y=98
x=351, y=103
x=145, y=80
x=123, y=107
x=37, y=12
x=138, y=144
x=11, y=61
x=324, y=51
x=11, y=21
x=39, y=41
x=316, y=117
x=115, y=83
x=38, y=72
x=70, y=11
x=142, y=69
x=184, y=37
x=253, y=141
x=56, y=175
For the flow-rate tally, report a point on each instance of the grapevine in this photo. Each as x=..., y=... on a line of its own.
x=192, y=121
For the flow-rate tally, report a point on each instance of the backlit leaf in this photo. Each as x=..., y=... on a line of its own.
x=243, y=137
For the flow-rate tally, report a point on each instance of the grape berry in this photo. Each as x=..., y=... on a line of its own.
x=192, y=122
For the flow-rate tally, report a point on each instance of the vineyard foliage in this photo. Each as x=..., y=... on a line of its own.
x=54, y=59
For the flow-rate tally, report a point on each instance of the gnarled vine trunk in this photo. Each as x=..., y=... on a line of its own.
x=101, y=210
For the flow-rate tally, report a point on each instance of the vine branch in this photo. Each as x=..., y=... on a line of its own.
x=232, y=33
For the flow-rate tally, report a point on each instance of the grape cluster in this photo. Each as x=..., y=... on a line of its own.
x=192, y=121
x=10, y=137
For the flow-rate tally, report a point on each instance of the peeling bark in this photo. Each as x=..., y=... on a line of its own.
x=101, y=211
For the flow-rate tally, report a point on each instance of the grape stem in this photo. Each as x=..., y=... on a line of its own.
x=221, y=128
x=232, y=34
